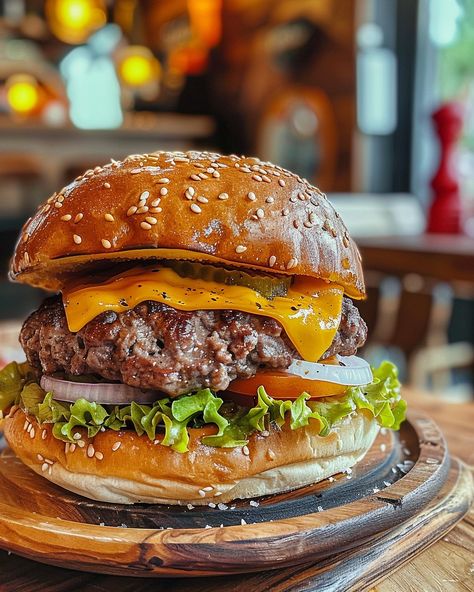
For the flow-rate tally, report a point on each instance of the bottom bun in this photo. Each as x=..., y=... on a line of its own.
x=122, y=467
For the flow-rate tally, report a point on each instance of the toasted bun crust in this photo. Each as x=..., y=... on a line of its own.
x=235, y=209
x=140, y=471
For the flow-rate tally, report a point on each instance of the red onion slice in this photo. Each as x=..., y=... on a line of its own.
x=352, y=371
x=104, y=393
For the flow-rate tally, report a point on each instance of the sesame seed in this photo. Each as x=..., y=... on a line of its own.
x=44, y=435
x=281, y=182
x=292, y=263
x=145, y=195
x=90, y=451
x=156, y=202
x=60, y=198
x=109, y=217
x=155, y=210
x=29, y=427
x=163, y=191
x=81, y=443
x=78, y=218
x=272, y=261
x=203, y=176
x=211, y=504
x=40, y=458
x=77, y=239
x=99, y=456
x=66, y=217
x=245, y=450
x=266, y=179
x=191, y=191
x=293, y=199
x=296, y=224
x=107, y=185
x=195, y=208
x=222, y=506
x=210, y=170
x=202, y=199
x=270, y=200
x=218, y=493
x=50, y=462
x=223, y=196
x=194, y=177
x=254, y=503
x=151, y=220
x=72, y=448
x=271, y=454
x=202, y=493
x=216, y=174
x=142, y=210
x=251, y=195
x=243, y=522
x=141, y=203
x=105, y=243
x=44, y=467
x=58, y=205
x=145, y=225
x=307, y=224
x=116, y=446
x=208, y=488
x=190, y=506
x=240, y=249
x=66, y=448
x=260, y=213
x=256, y=178
x=163, y=180
x=131, y=210
x=77, y=436
x=285, y=212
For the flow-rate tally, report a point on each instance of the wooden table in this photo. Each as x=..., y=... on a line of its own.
x=441, y=257
x=448, y=565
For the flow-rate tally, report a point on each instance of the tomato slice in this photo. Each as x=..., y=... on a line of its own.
x=281, y=385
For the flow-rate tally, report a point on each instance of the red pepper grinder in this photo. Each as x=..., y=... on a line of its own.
x=445, y=211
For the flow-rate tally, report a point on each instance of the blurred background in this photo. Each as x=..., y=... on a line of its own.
x=372, y=101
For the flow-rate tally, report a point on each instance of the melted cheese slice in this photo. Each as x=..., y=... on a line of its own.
x=310, y=313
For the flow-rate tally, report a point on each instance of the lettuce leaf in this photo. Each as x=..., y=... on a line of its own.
x=170, y=420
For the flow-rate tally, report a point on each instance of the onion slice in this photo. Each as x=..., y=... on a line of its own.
x=351, y=371
x=104, y=393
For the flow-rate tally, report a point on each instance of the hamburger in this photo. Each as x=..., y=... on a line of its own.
x=202, y=340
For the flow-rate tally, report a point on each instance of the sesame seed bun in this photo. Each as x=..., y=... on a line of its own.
x=188, y=205
x=122, y=467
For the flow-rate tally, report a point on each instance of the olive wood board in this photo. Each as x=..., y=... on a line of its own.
x=352, y=515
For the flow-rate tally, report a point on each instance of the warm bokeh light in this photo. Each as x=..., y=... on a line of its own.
x=138, y=66
x=22, y=93
x=73, y=21
x=205, y=17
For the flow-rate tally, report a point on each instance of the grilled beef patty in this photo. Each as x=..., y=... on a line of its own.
x=158, y=347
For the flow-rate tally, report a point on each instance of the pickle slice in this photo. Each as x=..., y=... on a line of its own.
x=268, y=286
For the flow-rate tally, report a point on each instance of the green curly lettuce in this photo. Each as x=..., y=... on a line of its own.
x=170, y=420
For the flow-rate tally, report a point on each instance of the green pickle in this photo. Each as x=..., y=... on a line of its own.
x=266, y=285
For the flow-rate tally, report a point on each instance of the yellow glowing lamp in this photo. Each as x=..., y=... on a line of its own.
x=138, y=67
x=22, y=93
x=73, y=21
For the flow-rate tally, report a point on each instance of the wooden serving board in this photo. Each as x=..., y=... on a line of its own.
x=382, y=501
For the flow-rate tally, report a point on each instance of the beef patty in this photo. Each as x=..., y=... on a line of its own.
x=158, y=347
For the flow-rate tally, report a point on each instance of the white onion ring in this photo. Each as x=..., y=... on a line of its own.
x=105, y=393
x=352, y=371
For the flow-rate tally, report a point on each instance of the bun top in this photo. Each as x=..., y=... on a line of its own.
x=238, y=210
